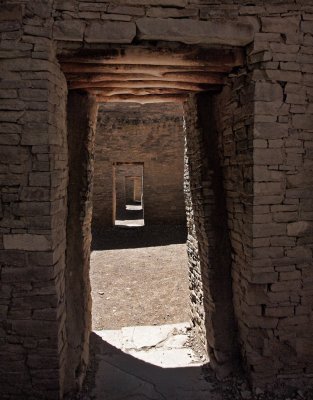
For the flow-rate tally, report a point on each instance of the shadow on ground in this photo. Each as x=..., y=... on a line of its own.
x=145, y=236
x=118, y=376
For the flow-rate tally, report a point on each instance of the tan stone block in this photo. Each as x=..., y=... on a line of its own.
x=119, y=9
x=268, y=156
x=110, y=32
x=302, y=121
x=161, y=12
x=307, y=26
x=300, y=228
x=280, y=25
x=69, y=30
x=268, y=188
x=93, y=6
x=26, y=242
x=268, y=91
x=286, y=286
x=192, y=31
x=290, y=276
x=279, y=311
x=272, y=229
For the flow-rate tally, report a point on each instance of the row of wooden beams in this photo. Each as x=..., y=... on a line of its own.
x=178, y=56
x=83, y=81
x=145, y=85
x=178, y=98
x=157, y=70
x=142, y=91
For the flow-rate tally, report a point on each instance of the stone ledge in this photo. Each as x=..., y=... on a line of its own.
x=193, y=32
x=110, y=32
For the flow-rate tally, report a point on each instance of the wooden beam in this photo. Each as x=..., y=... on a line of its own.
x=81, y=81
x=182, y=55
x=143, y=85
x=179, y=98
x=155, y=70
x=143, y=91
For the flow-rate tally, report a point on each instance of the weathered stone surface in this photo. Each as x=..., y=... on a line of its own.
x=117, y=9
x=26, y=242
x=168, y=12
x=110, y=32
x=11, y=12
x=72, y=30
x=192, y=32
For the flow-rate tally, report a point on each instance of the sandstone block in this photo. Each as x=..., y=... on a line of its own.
x=273, y=229
x=26, y=242
x=267, y=188
x=11, y=12
x=286, y=286
x=93, y=6
x=307, y=26
x=64, y=5
x=110, y=32
x=72, y=30
x=279, y=24
x=192, y=31
x=160, y=12
x=166, y=3
x=264, y=277
x=117, y=9
x=267, y=91
x=268, y=156
x=300, y=228
x=302, y=121
x=279, y=311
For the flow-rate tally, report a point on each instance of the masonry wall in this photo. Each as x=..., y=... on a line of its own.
x=152, y=135
x=208, y=244
x=33, y=165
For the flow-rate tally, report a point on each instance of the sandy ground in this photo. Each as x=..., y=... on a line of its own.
x=139, y=277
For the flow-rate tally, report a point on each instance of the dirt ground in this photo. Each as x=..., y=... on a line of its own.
x=139, y=277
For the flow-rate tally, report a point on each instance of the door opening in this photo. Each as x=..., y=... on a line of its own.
x=128, y=209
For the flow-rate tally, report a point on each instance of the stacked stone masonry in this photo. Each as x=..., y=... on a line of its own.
x=152, y=135
x=264, y=122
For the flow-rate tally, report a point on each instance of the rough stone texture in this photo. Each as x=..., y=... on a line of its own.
x=265, y=120
x=192, y=31
x=143, y=134
x=208, y=246
x=110, y=32
x=82, y=117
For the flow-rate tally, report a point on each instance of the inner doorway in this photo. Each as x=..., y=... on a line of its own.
x=128, y=206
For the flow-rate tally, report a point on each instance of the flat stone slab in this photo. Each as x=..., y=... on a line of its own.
x=195, y=32
x=149, y=362
x=110, y=32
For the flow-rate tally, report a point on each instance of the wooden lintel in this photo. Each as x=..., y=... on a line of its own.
x=142, y=99
x=156, y=70
x=182, y=55
x=145, y=85
x=144, y=91
x=77, y=82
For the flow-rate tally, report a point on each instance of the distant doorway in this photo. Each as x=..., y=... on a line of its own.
x=128, y=206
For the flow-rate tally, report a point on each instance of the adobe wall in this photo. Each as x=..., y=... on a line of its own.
x=148, y=134
x=265, y=117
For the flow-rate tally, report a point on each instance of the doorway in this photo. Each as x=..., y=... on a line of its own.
x=128, y=205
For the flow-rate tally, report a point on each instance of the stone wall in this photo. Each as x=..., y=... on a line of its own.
x=152, y=135
x=208, y=245
x=82, y=116
x=265, y=119
x=33, y=165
